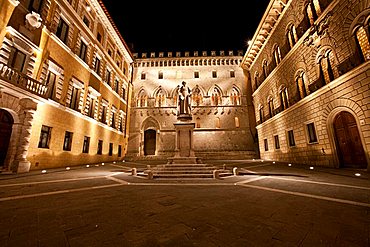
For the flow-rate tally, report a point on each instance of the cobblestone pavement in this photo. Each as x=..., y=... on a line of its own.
x=266, y=204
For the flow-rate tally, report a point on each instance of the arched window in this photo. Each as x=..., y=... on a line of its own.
x=284, y=100
x=292, y=35
x=237, y=123
x=264, y=68
x=326, y=69
x=302, y=85
x=216, y=97
x=256, y=83
x=362, y=40
x=160, y=98
x=142, y=99
x=235, y=96
x=261, y=114
x=313, y=10
x=197, y=122
x=270, y=102
x=197, y=97
x=218, y=122
x=277, y=54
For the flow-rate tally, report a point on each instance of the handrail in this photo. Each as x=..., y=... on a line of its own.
x=23, y=81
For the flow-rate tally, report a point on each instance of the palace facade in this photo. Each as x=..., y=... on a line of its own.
x=308, y=64
x=221, y=105
x=65, y=84
x=72, y=93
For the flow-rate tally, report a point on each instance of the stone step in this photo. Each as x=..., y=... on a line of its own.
x=184, y=169
x=183, y=172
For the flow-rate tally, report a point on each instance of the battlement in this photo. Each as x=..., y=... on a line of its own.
x=179, y=54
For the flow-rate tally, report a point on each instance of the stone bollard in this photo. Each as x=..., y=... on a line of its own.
x=235, y=171
x=216, y=174
x=150, y=175
x=133, y=172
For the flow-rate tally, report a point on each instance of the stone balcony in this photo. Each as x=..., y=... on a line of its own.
x=23, y=81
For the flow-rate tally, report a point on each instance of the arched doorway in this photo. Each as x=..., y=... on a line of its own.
x=150, y=137
x=350, y=150
x=6, y=124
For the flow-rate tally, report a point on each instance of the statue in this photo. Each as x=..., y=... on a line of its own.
x=184, y=100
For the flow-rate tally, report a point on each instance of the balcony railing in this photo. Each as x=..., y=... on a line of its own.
x=22, y=81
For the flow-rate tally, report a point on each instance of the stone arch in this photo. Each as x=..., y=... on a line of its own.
x=215, y=87
x=149, y=124
x=22, y=111
x=158, y=89
x=327, y=120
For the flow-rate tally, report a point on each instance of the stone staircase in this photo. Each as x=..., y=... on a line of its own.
x=190, y=171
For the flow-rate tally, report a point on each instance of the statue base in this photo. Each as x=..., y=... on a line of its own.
x=184, y=117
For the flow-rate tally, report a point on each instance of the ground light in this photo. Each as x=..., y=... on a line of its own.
x=87, y=165
x=357, y=174
x=68, y=168
x=43, y=171
x=311, y=167
x=289, y=164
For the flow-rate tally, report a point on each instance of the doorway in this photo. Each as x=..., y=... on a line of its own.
x=150, y=137
x=6, y=124
x=351, y=153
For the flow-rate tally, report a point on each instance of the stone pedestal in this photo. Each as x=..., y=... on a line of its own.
x=184, y=148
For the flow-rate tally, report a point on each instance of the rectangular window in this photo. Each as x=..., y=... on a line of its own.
x=35, y=5
x=123, y=93
x=119, y=150
x=17, y=60
x=50, y=82
x=214, y=74
x=113, y=123
x=86, y=21
x=99, y=37
x=196, y=74
x=160, y=75
x=116, y=86
x=75, y=98
x=67, y=145
x=62, y=31
x=232, y=73
x=266, y=145
x=277, y=142
x=100, y=147
x=107, y=76
x=45, y=137
x=143, y=76
x=104, y=114
x=91, y=108
x=110, y=149
x=83, y=51
x=291, y=138
x=312, y=138
x=86, y=145
x=97, y=65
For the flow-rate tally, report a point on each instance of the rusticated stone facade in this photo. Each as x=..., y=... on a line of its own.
x=65, y=81
x=309, y=69
x=221, y=107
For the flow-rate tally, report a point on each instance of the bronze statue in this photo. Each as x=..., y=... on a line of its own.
x=184, y=100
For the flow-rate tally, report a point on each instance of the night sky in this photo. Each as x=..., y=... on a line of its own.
x=159, y=26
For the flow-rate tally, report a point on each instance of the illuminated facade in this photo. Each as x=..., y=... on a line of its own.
x=221, y=105
x=65, y=81
x=308, y=64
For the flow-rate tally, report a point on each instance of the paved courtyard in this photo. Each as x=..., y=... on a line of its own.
x=267, y=204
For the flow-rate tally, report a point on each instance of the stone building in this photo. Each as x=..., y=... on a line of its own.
x=65, y=80
x=221, y=105
x=308, y=64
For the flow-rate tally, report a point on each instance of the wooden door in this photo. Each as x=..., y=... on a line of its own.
x=6, y=124
x=149, y=142
x=350, y=150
